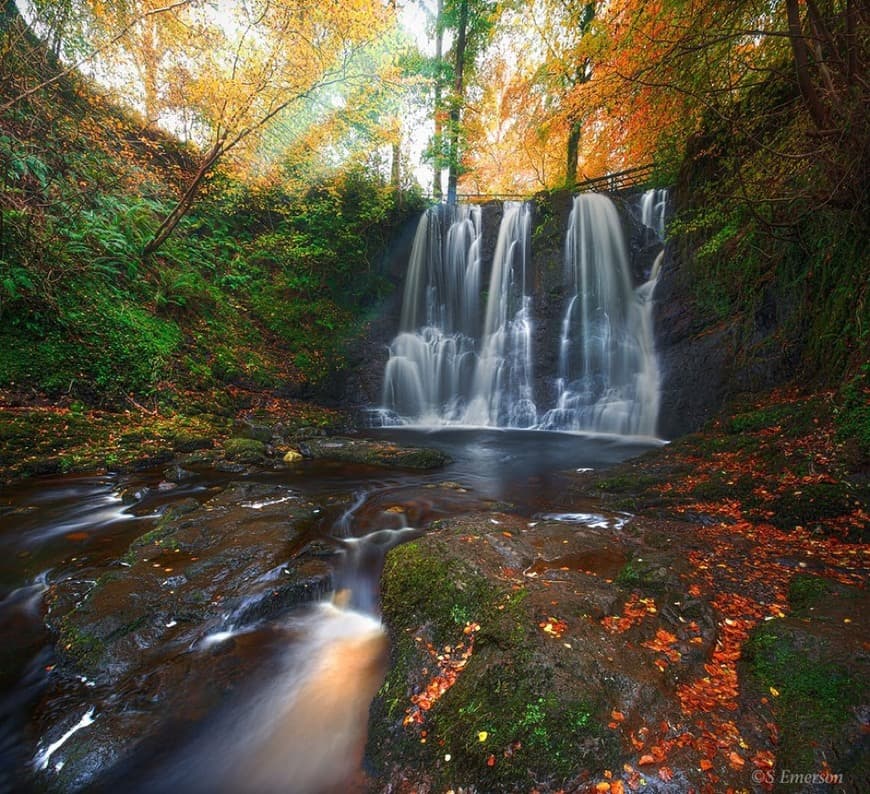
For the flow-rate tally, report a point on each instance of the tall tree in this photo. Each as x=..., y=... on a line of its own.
x=457, y=99
x=274, y=55
x=437, y=109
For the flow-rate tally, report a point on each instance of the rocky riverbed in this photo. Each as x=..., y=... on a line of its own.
x=691, y=619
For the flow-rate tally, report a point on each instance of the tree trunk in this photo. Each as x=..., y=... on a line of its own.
x=573, y=153
x=185, y=202
x=437, y=189
x=396, y=172
x=456, y=103
x=802, y=66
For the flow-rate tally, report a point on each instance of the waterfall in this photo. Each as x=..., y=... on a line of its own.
x=501, y=393
x=653, y=206
x=431, y=363
x=607, y=377
x=451, y=365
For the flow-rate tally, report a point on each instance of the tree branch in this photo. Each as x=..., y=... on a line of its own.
x=99, y=50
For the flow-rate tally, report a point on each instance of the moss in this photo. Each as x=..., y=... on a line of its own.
x=852, y=415
x=505, y=694
x=84, y=649
x=530, y=731
x=629, y=483
x=813, y=502
x=639, y=574
x=805, y=591
x=794, y=418
x=815, y=694
x=244, y=450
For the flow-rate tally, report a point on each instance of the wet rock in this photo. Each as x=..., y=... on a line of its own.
x=255, y=432
x=198, y=458
x=378, y=453
x=244, y=450
x=229, y=467
x=136, y=634
x=177, y=474
x=130, y=496
x=192, y=443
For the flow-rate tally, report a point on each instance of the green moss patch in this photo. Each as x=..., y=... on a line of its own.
x=813, y=695
x=501, y=724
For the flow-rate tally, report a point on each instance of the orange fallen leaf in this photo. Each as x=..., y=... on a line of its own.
x=706, y=764
x=666, y=774
x=490, y=761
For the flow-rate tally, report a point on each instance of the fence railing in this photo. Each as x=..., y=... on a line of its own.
x=617, y=182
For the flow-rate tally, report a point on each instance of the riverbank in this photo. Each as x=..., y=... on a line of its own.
x=45, y=437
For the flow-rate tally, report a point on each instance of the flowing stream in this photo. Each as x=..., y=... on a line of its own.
x=217, y=703
x=254, y=665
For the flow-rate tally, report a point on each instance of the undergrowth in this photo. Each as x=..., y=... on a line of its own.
x=257, y=286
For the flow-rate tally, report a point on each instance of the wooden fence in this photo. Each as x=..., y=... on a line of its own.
x=618, y=182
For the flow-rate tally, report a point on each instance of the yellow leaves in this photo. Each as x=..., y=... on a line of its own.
x=481, y=736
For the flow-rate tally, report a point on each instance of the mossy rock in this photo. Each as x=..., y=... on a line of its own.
x=813, y=689
x=244, y=450
x=185, y=442
x=376, y=453
x=813, y=503
x=502, y=724
x=256, y=431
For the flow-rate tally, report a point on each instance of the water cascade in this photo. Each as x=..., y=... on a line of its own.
x=653, y=206
x=608, y=377
x=431, y=364
x=501, y=393
x=450, y=366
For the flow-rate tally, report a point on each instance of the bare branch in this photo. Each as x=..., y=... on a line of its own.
x=98, y=51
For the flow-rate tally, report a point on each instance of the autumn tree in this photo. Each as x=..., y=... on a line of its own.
x=563, y=29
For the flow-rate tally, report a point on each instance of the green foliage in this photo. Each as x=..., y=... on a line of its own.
x=772, y=228
x=256, y=286
x=852, y=417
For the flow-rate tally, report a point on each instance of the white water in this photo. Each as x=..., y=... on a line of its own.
x=653, y=206
x=608, y=378
x=501, y=394
x=448, y=368
x=431, y=362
